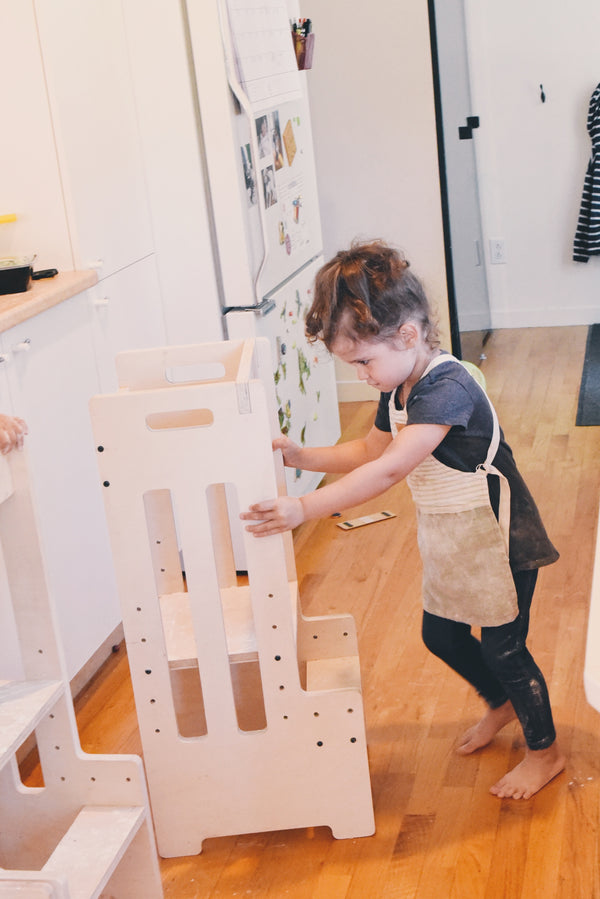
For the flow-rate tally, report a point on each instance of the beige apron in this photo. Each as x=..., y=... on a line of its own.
x=466, y=572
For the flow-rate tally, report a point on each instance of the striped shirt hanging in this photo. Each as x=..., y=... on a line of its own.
x=587, y=234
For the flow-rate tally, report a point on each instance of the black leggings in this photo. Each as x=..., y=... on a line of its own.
x=500, y=666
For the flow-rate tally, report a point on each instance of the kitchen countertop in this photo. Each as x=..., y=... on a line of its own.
x=18, y=307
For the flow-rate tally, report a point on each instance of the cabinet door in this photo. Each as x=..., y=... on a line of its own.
x=51, y=375
x=127, y=315
x=29, y=175
x=93, y=111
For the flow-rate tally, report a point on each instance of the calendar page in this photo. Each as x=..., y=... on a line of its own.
x=264, y=52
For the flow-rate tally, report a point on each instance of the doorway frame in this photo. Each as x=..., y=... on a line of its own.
x=443, y=175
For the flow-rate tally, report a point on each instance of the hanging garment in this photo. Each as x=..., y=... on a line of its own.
x=587, y=234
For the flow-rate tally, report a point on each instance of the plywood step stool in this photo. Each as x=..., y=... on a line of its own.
x=87, y=831
x=250, y=714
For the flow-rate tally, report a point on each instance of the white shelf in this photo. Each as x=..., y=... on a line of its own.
x=23, y=704
x=333, y=674
x=179, y=630
x=24, y=885
x=93, y=847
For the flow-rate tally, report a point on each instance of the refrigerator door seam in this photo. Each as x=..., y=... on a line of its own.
x=245, y=105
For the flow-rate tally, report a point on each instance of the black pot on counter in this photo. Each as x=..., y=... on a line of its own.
x=15, y=273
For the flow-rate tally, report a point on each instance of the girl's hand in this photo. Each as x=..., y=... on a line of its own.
x=12, y=432
x=292, y=453
x=274, y=515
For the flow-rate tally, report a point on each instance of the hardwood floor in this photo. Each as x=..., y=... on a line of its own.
x=440, y=833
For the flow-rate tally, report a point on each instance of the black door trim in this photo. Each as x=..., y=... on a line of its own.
x=437, y=94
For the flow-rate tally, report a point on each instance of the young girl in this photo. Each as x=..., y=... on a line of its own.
x=479, y=532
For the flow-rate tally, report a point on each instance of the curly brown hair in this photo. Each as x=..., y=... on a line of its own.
x=367, y=293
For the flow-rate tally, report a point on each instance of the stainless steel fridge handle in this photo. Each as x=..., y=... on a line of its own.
x=262, y=308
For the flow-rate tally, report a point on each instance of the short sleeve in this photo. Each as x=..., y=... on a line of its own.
x=444, y=400
x=382, y=418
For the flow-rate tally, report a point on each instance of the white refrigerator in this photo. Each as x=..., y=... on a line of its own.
x=254, y=124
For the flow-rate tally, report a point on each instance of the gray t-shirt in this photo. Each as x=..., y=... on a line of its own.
x=449, y=395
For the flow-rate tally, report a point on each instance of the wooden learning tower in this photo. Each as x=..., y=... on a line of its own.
x=87, y=831
x=250, y=714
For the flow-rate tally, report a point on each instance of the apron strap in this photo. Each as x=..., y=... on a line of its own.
x=490, y=468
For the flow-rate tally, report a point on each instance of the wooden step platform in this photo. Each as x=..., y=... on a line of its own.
x=92, y=848
x=23, y=704
x=88, y=826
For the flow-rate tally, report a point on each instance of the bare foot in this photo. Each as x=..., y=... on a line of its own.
x=534, y=772
x=485, y=730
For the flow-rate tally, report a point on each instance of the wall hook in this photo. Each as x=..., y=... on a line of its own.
x=542, y=94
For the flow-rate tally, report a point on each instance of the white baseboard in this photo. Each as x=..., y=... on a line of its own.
x=93, y=664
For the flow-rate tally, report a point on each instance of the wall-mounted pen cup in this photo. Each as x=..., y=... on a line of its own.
x=304, y=46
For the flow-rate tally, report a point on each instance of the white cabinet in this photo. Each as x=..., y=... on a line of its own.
x=93, y=112
x=30, y=182
x=94, y=174
x=104, y=162
x=127, y=314
x=51, y=375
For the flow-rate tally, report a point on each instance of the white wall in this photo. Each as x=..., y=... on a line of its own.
x=532, y=156
x=372, y=105
x=371, y=95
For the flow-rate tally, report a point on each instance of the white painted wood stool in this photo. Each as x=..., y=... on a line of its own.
x=87, y=832
x=591, y=671
x=250, y=714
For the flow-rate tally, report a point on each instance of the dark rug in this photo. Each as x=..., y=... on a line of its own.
x=588, y=407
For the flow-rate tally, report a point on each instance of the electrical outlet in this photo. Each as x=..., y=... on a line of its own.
x=497, y=251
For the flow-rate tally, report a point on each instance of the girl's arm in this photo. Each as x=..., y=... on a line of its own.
x=12, y=433
x=338, y=459
x=408, y=449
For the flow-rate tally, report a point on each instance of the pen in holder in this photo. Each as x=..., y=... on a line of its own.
x=304, y=42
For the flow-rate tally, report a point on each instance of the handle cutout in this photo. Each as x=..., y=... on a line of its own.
x=174, y=420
